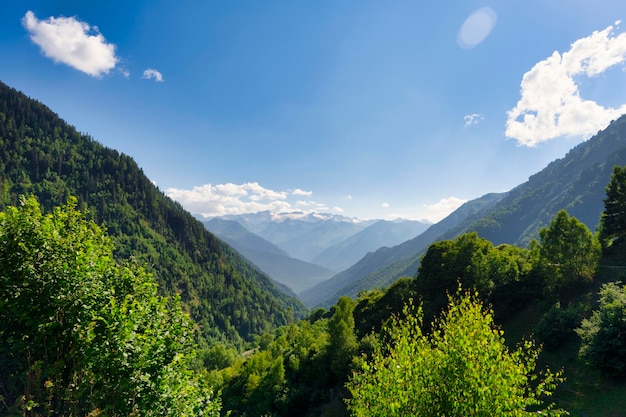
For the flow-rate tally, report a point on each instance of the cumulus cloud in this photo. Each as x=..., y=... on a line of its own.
x=298, y=191
x=472, y=119
x=476, y=28
x=222, y=199
x=154, y=74
x=442, y=208
x=550, y=104
x=72, y=42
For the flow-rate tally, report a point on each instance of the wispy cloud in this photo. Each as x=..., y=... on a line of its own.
x=441, y=209
x=550, y=104
x=385, y=205
x=472, y=119
x=72, y=42
x=151, y=73
x=222, y=199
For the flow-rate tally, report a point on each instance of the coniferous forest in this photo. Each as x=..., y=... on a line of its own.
x=114, y=301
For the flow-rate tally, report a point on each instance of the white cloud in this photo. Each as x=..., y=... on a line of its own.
x=472, y=119
x=222, y=199
x=72, y=42
x=442, y=208
x=550, y=104
x=152, y=73
x=385, y=205
x=312, y=206
x=476, y=28
x=298, y=191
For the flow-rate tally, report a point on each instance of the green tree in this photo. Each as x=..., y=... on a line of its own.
x=464, y=368
x=83, y=334
x=569, y=251
x=499, y=273
x=342, y=342
x=448, y=262
x=613, y=218
x=604, y=333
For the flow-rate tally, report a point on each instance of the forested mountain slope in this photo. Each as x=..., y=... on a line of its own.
x=40, y=154
x=575, y=183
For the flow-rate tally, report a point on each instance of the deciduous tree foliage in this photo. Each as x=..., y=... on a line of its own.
x=570, y=251
x=82, y=334
x=501, y=274
x=343, y=343
x=604, y=333
x=464, y=368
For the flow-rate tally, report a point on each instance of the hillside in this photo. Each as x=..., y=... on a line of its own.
x=44, y=156
x=575, y=183
x=296, y=274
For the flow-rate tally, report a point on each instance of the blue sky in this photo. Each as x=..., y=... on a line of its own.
x=364, y=108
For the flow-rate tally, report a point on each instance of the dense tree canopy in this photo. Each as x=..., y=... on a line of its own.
x=81, y=334
x=501, y=274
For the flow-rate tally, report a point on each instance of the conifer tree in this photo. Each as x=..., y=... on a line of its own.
x=613, y=218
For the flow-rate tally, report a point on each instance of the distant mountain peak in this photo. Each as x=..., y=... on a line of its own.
x=282, y=216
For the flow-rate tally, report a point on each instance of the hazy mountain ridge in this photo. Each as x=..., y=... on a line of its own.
x=298, y=275
x=358, y=237
x=302, y=235
x=381, y=234
x=363, y=275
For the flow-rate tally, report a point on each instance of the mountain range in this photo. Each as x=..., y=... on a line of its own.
x=319, y=256
x=296, y=274
x=301, y=250
x=367, y=257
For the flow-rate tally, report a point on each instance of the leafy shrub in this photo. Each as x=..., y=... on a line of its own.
x=557, y=324
x=604, y=333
